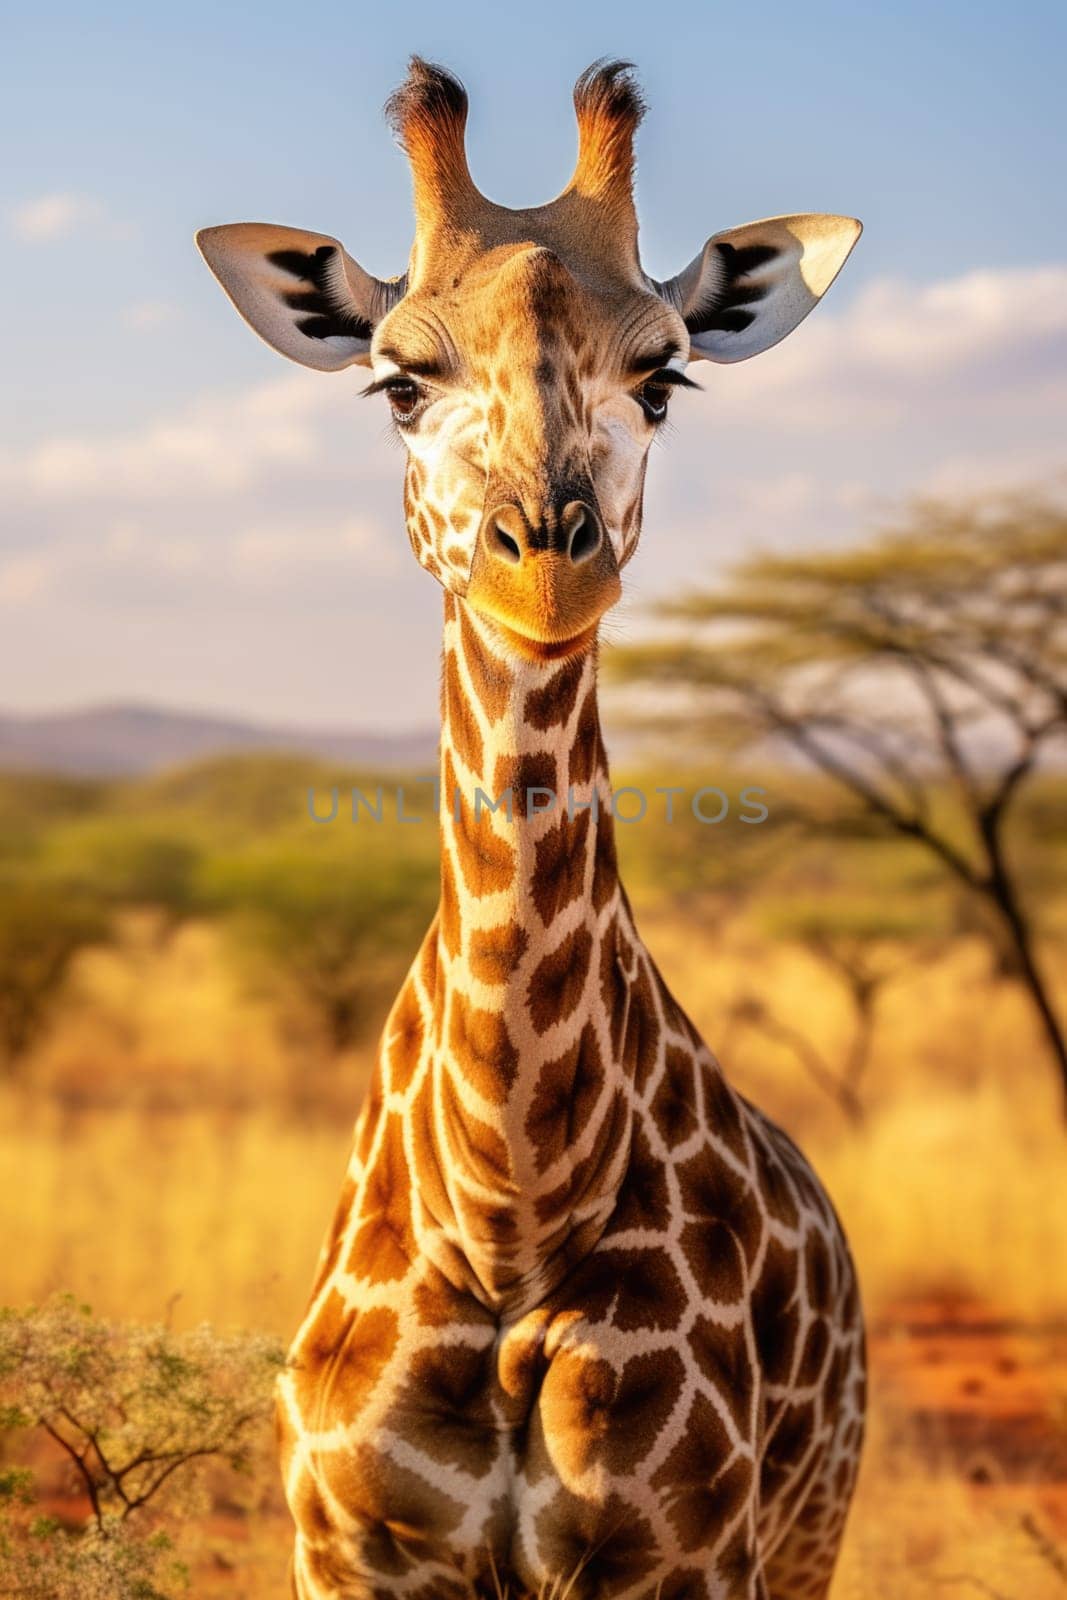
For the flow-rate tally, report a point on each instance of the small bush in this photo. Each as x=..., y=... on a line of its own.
x=138, y=1415
x=42, y=928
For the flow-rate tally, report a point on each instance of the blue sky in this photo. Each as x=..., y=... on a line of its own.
x=192, y=521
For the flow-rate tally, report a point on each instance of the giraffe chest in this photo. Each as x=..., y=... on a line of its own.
x=456, y=1446
x=618, y=1429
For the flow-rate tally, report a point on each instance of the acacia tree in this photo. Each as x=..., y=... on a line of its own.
x=865, y=946
x=923, y=673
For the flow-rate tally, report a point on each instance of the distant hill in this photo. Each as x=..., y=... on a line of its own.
x=128, y=740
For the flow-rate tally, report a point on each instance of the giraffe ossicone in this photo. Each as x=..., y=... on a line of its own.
x=585, y=1322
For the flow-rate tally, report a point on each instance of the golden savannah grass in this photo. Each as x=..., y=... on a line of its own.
x=174, y=1139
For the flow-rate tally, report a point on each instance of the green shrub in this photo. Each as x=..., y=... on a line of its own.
x=340, y=925
x=137, y=1415
x=42, y=928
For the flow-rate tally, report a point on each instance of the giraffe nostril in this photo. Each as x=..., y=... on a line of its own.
x=504, y=534
x=506, y=545
x=584, y=533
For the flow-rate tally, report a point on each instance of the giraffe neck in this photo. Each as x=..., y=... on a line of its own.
x=534, y=949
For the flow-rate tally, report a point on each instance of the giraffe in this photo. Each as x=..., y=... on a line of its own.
x=585, y=1323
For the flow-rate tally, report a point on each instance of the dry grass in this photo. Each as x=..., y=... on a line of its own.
x=158, y=1154
x=927, y=1535
x=219, y=1213
x=157, y=1159
x=957, y=1182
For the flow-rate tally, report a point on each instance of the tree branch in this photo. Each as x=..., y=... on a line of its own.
x=91, y=1486
x=992, y=811
x=947, y=735
x=840, y=1091
x=913, y=825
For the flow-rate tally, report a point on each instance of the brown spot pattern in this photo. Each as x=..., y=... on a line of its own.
x=482, y=1050
x=496, y=952
x=384, y=1244
x=558, y=980
x=553, y=704
x=558, y=877
x=567, y=1091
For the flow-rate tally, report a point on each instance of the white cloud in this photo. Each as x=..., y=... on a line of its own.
x=54, y=216
x=218, y=443
x=268, y=556
x=793, y=499
x=872, y=363
x=144, y=316
x=956, y=387
x=26, y=577
x=250, y=559
x=971, y=473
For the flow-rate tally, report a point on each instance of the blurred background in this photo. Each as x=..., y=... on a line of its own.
x=851, y=591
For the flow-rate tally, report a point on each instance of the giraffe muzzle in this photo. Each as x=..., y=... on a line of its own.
x=546, y=585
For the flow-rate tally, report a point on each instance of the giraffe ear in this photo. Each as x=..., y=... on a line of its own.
x=301, y=292
x=750, y=286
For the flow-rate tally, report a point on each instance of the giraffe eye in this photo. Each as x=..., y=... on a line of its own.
x=652, y=397
x=405, y=397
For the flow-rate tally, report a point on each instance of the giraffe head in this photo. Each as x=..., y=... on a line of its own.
x=526, y=357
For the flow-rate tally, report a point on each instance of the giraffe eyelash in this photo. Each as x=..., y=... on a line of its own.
x=660, y=383
x=394, y=384
x=673, y=379
x=383, y=385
